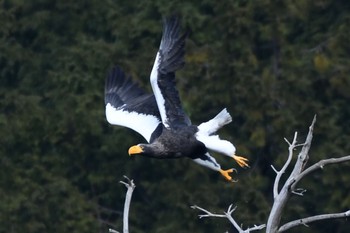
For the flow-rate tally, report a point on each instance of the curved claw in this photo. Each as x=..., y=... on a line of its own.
x=241, y=160
x=225, y=173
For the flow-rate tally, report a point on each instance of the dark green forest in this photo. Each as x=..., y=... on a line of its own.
x=272, y=64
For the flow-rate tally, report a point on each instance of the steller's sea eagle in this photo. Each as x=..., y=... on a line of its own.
x=159, y=117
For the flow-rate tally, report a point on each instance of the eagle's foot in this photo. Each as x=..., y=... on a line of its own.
x=243, y=162
x=225, y=173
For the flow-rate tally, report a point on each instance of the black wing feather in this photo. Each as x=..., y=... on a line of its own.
x=121, y=92
x=171, y=52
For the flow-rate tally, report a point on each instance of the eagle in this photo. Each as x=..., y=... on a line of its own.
x=159, y=116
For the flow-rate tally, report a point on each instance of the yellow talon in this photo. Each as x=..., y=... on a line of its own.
x=225, y=173
x=241, y=160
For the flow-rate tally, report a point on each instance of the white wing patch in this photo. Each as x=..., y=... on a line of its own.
x=141, y=123
x=156, y=91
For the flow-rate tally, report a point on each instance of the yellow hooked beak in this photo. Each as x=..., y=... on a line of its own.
x=135, y=150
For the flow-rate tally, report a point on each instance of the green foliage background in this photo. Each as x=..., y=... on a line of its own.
x=273, y=64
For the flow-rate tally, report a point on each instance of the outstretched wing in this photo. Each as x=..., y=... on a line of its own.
x=170, y=58
x=129, y=106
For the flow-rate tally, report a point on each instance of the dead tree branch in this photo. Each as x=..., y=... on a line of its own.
x=319, y=165
x=285, y=166
x=130, y=186
x=281, y=197
x=113, y=231
x=305, y=221
x=289, y=187
x=228, y=215
x=130, y=189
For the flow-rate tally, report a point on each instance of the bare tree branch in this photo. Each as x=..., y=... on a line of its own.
x=305, y=221
x=228, y=215
x=304, y=153
x=299, y=191
x=207, y=213
x=113, y=231
x=319, y=165
x=285, y=166
x=130, y=186
x=282, y=197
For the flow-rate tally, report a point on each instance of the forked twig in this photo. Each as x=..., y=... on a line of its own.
x=227, y=214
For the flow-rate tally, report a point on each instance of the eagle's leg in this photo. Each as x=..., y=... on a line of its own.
x=213, y=142
x=208, y=161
